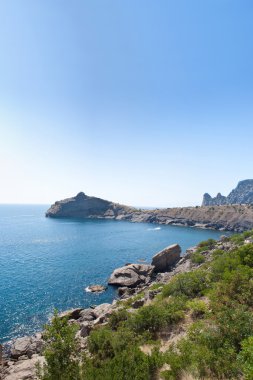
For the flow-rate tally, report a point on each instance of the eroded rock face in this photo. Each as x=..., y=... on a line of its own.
x=242, y=194
x=131, y=275
x=167, y=258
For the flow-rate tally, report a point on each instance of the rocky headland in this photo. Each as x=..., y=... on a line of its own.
x=230, y=217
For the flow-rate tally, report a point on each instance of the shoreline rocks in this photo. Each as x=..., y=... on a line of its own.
x=131, y=275
x=26, y=351
x=95, y=288
x=167, y=258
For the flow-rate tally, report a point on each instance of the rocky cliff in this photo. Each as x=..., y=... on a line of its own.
x=225, y=217
x=242, y=194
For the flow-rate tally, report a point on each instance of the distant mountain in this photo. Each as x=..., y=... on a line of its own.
x=242, y=194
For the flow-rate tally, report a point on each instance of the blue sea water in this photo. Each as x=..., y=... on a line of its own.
x=47, y=263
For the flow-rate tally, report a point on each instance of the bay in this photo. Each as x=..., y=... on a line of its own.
x=47, y=263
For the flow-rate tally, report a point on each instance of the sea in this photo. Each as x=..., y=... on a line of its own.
x=47, y=264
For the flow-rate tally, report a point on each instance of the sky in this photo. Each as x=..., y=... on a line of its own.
x=146, y=103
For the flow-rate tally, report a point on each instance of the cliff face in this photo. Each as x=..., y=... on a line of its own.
x=225, y=217
x=242, y=194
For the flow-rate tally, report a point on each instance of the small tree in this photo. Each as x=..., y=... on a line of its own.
x=61, y=351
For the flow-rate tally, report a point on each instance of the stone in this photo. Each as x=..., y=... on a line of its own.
x=96, y=288
x=124, y=291
x=24, y=369
x=87, y=315
x=167, y=258
x=85, y=329
x=138, y=303
x=26, y=346
x=102, y=311
x=131, y=275
x=71, y=314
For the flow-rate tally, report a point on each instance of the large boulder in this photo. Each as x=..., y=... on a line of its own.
x=24, y=369
x=167, y=258
x=27, y=345
x=131, y=275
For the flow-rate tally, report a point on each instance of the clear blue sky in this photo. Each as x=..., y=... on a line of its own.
x=142, y=102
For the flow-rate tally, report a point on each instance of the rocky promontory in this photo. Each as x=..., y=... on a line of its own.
x=238, y=217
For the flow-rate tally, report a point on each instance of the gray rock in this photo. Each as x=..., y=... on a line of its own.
x=131, y=275
x=24, y=369
x=138, y=303
x=85, y=329
x=102, y=311
x=71, y=314
x=87, y=315
x=26, y=346
x=96, y=288
x=167, y=258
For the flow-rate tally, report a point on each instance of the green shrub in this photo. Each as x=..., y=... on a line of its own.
x=117, y=318
x=190, y=284
x=246, y=254
x=61, y=352
x=197, y=258
x=197, y=307
x=245, y=358
x=208, y=244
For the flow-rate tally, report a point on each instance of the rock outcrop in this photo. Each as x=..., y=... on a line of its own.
x=131, y=275
x=83, y=206
x=242, y=194
x=236, y=218
x=26, y=346
x=164, y=260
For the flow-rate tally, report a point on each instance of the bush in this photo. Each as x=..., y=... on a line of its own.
x=197, y=307
x=207, y=244
x=116, y=355
x=61, y=352
x=117, y=318
x=190, y=284
x=197, y=258
x=245, y=358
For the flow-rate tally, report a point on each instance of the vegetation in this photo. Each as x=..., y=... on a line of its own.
x=61, y=353
x=216, y=299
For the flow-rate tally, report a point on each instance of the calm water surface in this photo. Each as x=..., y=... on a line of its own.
x=47, y=263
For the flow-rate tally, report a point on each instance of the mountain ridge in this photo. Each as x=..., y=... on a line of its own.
x=242, y=194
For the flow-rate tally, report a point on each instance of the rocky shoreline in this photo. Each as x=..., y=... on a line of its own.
x=134, y=283
x=138, y=285
x=235, y=218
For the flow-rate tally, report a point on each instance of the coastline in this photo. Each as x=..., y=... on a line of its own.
x=234, y=218
x=25, y=352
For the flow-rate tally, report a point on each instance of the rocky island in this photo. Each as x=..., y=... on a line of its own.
x=233, y=214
